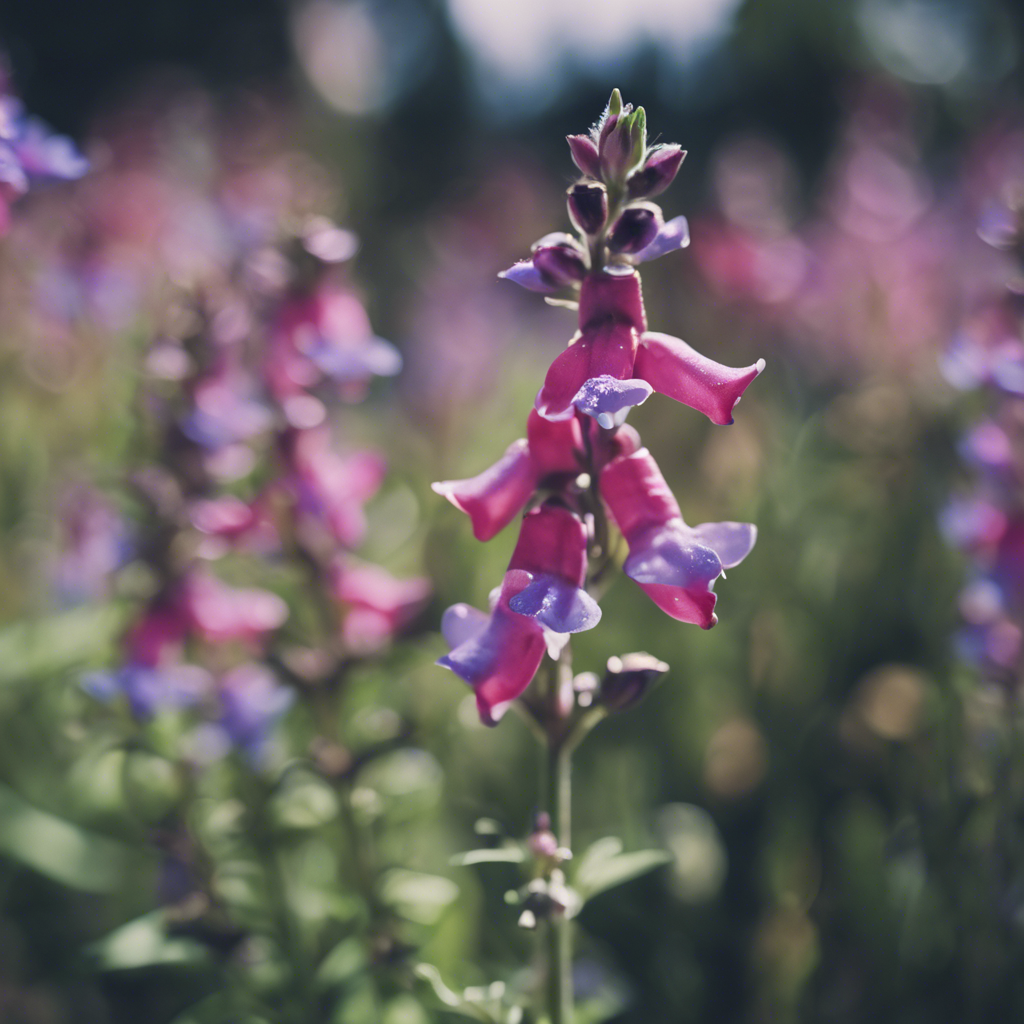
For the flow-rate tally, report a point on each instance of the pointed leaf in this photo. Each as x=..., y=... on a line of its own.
x=499, y=855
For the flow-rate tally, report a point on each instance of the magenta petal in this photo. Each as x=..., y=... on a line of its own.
x=499, y=662
x=493, y=498
x=552, y=540
x=605, y=349
x=674, y=234
x=526, y=275
x=556, y=446
x=679, y=371
x=683, y=604
x=732, y=542
x=556, y=604
x=637, y=494
x=608, y=399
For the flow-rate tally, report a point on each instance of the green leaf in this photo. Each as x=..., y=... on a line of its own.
x=419, y=898
x=498, y=855
x=144, y=942
x=56, y=848
x=603, y=866
x=452, y=1000
x=58, y=642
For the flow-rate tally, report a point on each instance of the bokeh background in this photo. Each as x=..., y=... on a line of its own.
x=822, y=766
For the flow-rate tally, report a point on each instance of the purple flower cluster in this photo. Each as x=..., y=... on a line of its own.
x=254, y=349
x=987, y=523
x=869, y=281
x=579, y=461
x=31, y=154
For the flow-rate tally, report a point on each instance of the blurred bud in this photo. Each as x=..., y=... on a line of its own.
x=587, y=686
x=543, y=843
x=560, y=265
x=588, y=206
x=628, y=678
x=637, y=226
x=658, y=172
x=584, y=154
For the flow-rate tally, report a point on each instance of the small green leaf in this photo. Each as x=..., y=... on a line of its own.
x=603, y=867
x=452, y=1000
x=500, y=855
x=58, y=849
x=144, y=942
x=614, y=104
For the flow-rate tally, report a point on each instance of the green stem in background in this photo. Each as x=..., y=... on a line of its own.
x=559, y=929
x=557, y=794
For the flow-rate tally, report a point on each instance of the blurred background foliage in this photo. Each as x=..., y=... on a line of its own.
x=819, y=767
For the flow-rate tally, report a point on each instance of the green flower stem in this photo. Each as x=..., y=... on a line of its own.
x=558, y=803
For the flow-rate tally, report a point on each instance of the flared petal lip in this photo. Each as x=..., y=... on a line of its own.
x=607, y=399
x=674, y=234
x=527, y=276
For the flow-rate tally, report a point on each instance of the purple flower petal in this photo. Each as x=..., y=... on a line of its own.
x=373, y=357
x=47, y=157
x=526, y=275
x=675, y=234
x=462, y=623
x=556, y=604
x=13, y=180
x=732, y=542
x=609, y=399
x=672, y=556
x=965, y=363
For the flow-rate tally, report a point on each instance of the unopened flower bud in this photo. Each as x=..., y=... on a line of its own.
x=584, y=154
x=658, y=172
x=636, y=228
x=560, y=265
x=588, y=206
x=623, y=143
x=628, y=679
x=542, y=841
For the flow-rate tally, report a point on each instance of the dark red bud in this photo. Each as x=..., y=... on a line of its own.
x=635, y=229
x=588, y=206
x=657, y=173
x=584, y=154
x=628, y=679
x=560, y=265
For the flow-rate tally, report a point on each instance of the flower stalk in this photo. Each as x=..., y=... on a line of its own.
x=579, y=472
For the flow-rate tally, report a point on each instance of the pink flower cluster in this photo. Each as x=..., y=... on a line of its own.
x=987, y=521
x=239, y=383
x=579, y=461
x=869, y=281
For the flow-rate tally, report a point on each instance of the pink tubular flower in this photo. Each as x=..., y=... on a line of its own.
x=493, y=498
x=614, y=362
x=675, y=564
x=331, y=488
x=219, y=612
x=326, y=334
x=379, y=604
x=499, y=654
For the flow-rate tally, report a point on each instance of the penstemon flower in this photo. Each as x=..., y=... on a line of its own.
x=579, y=469
x=578, y=426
